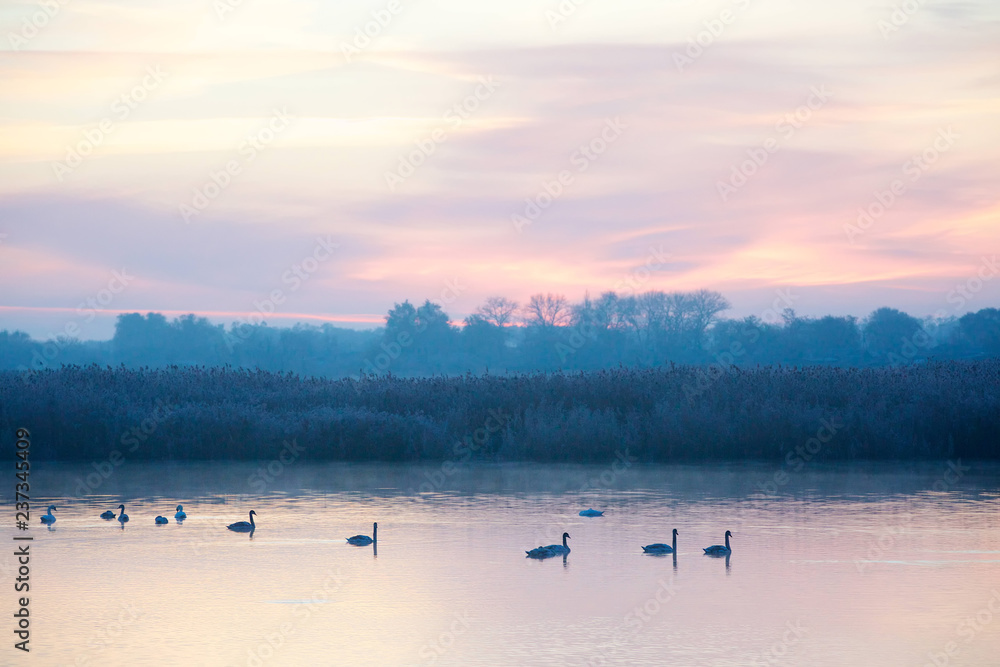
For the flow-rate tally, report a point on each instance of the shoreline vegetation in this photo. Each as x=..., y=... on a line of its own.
x=548, y=334
x=795, y=415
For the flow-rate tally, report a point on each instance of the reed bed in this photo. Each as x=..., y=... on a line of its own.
x=671, y=414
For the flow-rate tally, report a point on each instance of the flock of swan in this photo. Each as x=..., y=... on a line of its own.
x=655, y=548
x=240, y=526
x=364, y=540
x=122, y=518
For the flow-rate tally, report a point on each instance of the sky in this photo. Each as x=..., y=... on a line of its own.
x=320, y=161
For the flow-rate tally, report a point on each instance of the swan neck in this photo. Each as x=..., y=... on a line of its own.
x=727, y=540
x=252, y=525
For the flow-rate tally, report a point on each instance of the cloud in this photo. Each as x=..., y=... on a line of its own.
x=686, y=131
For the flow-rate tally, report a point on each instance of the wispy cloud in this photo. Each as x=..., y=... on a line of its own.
x=657, y=184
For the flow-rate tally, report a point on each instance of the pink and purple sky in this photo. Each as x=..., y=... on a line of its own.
x=720, y=145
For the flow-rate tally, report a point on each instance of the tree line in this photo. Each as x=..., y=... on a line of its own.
x=547, y=333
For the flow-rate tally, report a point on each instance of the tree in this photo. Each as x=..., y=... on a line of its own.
x=702, y=308
x=838, y=337
x=597, y=335
x=827, y=340
x=893, y=336
x=547, y=310
x=483, y=338
x=16, y=349
x=423, y=332
x=142, y=340
x=670, y=325
x=437, y=333
x=643, y=314
x=498, y=310
x=608, y=312
x=588, y=315
x=747, y=341
x=401, y=319
x=195, y=340
x=982, y=330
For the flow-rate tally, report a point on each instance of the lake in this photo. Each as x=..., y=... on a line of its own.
x=847, y=565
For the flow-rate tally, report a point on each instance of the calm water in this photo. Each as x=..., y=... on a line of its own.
x=842, y=566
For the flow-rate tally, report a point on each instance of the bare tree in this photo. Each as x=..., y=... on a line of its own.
x=547, y=310
x=704, y=307
x=610, y=311
x=602, y=313
x=644, y=314
x=498, y=310
x=677, y=315
x=657, y=317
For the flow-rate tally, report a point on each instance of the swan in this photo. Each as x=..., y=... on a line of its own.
x=108, y=515
x=364, y=540
x=180, y=513
x=48, y=518
x=122, y=518
x=540, y=552
x=160, y=520
x=591, y=512
x=660, y=548
x=559, y=548
x=718, y=549
x=243, y=526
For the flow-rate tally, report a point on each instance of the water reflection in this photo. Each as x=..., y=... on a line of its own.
x=244, y=526
x=453, y=583
x=654, y=554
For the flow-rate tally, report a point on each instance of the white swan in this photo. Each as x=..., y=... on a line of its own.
x=718, y=549
x=243, y=526
x=180, y=513
x=540, y=552
x=108, y=515
x=591, y=512
x=122, y=518
x=48, y=518
x=160, y=520
x=364, y=540
x=661, y=548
